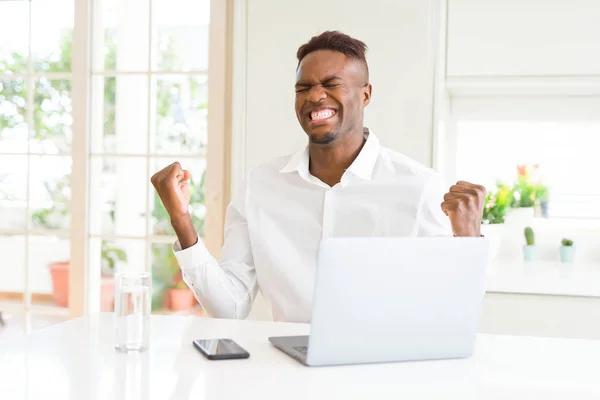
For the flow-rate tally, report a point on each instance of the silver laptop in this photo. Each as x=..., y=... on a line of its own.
x=393, y=299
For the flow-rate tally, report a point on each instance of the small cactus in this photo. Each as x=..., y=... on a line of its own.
x=567, y=242
x=529, y=237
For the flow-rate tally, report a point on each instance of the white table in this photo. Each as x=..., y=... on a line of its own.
x=76, y=360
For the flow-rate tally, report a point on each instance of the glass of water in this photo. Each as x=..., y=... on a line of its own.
x=132, y=311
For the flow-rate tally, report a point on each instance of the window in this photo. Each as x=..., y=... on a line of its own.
x=491, y=138
x=35, y=156
x=564, y=152
x=146, y=88
x=149, y=100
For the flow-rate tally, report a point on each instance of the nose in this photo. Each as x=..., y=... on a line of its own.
x=316, y=94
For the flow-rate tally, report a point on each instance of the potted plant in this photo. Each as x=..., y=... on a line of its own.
x=528, y=194
x=567, y=251
x=59, y=272
x=542, y=195
x=529, y=247
x=170, y=291
x=523, y=198
x=494, y=211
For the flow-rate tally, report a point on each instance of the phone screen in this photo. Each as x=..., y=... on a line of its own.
x=220, y=348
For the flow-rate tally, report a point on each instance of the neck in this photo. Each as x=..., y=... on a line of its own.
x=329, y=162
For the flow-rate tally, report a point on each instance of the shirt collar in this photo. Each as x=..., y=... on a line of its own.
x=297, y=162
x=364, y=163
x=362, y=166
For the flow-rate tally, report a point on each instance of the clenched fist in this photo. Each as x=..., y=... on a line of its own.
x=171, y=184
x=463, y=204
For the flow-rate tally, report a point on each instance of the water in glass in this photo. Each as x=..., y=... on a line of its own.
x=132, y=312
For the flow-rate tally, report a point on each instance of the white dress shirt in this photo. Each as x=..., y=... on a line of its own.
x=276, y=220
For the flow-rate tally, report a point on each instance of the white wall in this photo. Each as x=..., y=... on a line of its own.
x=523, y=37
x=399, y=36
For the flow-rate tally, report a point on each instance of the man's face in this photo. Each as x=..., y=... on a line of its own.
x=331, y=92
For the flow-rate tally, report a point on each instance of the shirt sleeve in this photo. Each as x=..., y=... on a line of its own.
x=226, y=289
x=432, y=221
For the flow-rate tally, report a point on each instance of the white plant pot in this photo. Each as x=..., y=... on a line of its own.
x=495, y=235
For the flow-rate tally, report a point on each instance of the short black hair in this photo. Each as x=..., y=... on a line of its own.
x=335, y=41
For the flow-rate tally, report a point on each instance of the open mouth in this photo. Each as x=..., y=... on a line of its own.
x=322, y=114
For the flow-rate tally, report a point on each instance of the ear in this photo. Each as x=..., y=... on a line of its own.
x=367, y=94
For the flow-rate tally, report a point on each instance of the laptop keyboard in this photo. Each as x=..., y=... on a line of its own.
x=302, y=349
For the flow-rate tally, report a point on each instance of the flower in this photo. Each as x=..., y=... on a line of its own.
x=523, y=171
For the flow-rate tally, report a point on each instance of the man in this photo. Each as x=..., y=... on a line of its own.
x=343, y=184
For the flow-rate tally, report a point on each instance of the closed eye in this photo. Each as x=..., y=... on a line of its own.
x=304, y=89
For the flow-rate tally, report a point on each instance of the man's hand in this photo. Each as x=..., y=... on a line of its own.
x=463, y=204
x=171, y=184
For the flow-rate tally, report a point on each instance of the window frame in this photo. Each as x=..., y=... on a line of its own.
x=84, y=278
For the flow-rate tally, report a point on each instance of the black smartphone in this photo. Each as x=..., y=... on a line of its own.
x=220, y=349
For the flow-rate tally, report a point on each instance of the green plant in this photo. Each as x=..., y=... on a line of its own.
x=166, y=274
x=51, y=111
x=523, y=193
x=111, y=254
x=567, y=242
x=164, y=266
x=529, y=237
x=55, y=216
x=496, y=205
x=527, y=193
x=541, y=192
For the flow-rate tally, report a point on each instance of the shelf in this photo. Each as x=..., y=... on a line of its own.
x=544, y=277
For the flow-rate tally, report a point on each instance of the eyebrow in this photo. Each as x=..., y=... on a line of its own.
x=324, y=81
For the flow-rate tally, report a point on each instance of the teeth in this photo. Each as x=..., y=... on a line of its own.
x=322, y=114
